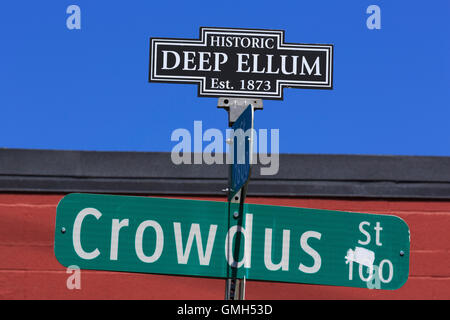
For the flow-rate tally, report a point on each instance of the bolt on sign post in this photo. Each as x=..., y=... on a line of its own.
x=192, y=238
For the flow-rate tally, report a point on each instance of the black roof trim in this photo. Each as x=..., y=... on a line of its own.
x=300, y=175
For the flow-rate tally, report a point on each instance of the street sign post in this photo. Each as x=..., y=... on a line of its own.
x=240, y=118
x=192, y=237
x=228, y=62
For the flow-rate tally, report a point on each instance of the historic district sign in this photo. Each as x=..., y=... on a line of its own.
x=191, y=237
x=241, y=63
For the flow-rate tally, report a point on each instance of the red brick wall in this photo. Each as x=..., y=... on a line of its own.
x=29, y=270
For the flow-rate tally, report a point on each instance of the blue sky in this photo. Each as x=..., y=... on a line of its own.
x=88, y=89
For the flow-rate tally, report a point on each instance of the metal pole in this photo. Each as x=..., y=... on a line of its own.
x=235, y=287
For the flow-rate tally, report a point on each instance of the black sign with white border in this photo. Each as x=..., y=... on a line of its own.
x=252, y=63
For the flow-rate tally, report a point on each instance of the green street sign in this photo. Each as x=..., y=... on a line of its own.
x=192, y=237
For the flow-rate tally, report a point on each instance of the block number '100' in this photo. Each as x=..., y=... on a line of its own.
x=375, y=273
